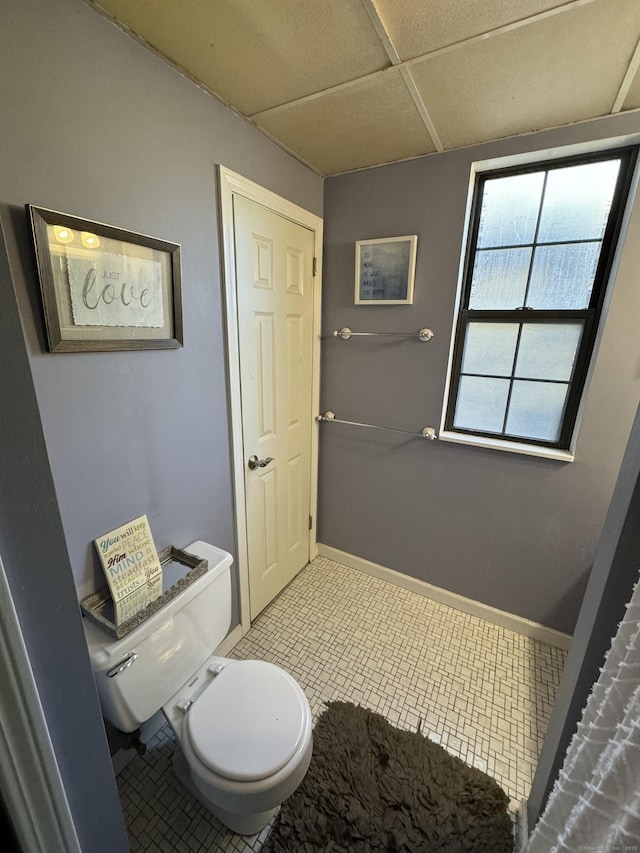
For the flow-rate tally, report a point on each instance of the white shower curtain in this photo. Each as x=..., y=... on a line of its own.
x=595, y=804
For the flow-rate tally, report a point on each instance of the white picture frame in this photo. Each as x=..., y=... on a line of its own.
x=385, y=270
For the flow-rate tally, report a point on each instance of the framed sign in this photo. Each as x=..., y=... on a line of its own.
x=104, y=288
x=131, y=567
x=385, y=270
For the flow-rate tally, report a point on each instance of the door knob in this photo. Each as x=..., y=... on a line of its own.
x=254, y=462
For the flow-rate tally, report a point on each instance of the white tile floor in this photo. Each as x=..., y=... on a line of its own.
x=483, y=692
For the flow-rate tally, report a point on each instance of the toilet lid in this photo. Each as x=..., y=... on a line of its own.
x=247, y=724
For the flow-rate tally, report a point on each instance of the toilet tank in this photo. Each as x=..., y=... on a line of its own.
x=138, y=674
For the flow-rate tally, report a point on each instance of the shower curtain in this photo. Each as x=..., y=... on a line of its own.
x=594, y=806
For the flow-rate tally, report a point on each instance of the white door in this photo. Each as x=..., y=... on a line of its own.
x=274, y=281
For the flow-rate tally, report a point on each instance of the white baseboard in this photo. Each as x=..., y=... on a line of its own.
x=534, y=630
x=121, y=759
x=523, y=827
x=232, y=638
x=151, y=727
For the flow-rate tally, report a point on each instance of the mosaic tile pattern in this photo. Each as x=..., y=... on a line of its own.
x=481, y=691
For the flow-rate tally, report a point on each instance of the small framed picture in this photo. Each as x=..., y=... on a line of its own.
x=385, y=270
x=104, y=288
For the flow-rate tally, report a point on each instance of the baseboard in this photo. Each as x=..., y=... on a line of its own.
x=151, y=727
x=534, y=630
x=121, y=759
x=232, y=639
x=523, y=827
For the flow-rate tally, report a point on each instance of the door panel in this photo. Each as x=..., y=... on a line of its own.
x=266, y=385
x=295, y=360
x=295, y=504
x=274, y=270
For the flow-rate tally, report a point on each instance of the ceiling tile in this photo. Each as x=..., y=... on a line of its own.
x=540, y=75
x=256, y=55
x=372, y=122
x=417, y=27
x=632, y=101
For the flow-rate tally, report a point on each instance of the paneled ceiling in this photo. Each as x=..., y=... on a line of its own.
x=345, y=84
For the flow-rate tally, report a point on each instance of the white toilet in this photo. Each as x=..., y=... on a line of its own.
x=243, y=728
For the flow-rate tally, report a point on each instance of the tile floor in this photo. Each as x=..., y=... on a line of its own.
x=482, y=692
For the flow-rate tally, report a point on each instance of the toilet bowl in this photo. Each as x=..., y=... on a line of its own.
x=244, y=740
x=243, y=728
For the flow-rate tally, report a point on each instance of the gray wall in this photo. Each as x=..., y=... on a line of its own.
x=95, y=125
x=615, y=571
x=35, y=559
x=516, y=532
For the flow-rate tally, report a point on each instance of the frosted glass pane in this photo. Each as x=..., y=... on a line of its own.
x=536, y=409
x=489, y=348
x=577, y=201
x=562, y=276
x=499, y=279
x=510, y=210
x=481, y=403
x=548, y=351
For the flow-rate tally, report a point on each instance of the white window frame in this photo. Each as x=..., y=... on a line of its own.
x=543, y=156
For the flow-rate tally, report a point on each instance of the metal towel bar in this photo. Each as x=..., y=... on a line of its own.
x=345, y=333
x=427, y=432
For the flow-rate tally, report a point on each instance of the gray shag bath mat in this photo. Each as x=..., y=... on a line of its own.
x=372, y=787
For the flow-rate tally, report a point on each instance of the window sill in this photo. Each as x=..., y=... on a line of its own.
x=508, y=446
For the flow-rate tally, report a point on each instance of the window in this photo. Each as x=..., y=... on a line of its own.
x=540, y=250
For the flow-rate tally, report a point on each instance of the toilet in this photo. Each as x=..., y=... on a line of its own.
x=243, y=728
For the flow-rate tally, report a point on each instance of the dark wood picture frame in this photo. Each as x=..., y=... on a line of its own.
x=104, y=288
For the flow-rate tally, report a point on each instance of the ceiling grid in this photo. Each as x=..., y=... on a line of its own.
x=348, y=84
x=394, y=56
x=626, y=84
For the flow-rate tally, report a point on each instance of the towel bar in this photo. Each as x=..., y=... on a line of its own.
x=345, y=333
x=427, y=432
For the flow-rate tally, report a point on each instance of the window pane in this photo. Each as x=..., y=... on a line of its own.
x=499, y=279
x=481, y=403
x=489, y=348
x=510, y=210
x=577, y=201
x=536, y=410
x=548, y=351
x=562, y=276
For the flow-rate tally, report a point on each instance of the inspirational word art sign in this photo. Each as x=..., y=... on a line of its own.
x=385, y=270
x=131, y=566
x=115, y=290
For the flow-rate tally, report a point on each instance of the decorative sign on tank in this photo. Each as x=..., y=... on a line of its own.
x=385, y=270
x=131, y=566
x=136, y=589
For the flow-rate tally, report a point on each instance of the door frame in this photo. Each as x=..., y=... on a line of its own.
x=36, y=802
x=230, y=184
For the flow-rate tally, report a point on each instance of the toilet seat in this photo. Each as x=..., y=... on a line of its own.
x=249, y=722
